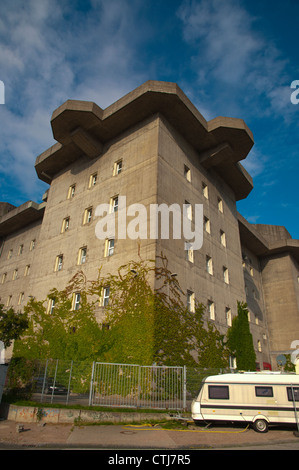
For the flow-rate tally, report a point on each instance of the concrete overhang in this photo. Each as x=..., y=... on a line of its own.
x=53, y=160
x=261, y=247
x=82, y=127
x=285, y=246
x=251, y=238
x=21, y=216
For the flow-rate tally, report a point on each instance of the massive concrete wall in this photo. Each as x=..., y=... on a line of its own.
x=281, y=293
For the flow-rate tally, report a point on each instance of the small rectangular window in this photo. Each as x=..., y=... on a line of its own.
x=228, y=314
x=211, y=310
x=293, y=393
x=188, y=210
x=205, y=190
x=82, y=255
x=9, y=299
x=51, y=306
x=15, y=275
x=65, y=225
x=87, y=215
x=261, y=391
x=71, y=191
x=58, y=263
x=220, y=205
x=32, y=245
x=105, y=298
x=207, y=225
x=93, y=180
x=189, y=252
x=109, y=247
x=27, y=270
x=222, y=238
x=225, y=275
x=9, y=254
x=209, y=265
x=219, y=392
x=20, y=249
x=232, y=362
x=76, y=301
x=3, y=278
x=21, y=298
x=190, y=301
x=114, y=204
x=187, y=173
x=117, y=167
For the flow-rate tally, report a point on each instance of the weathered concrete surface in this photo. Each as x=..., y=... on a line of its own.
x=142, y=437
x=44, y=414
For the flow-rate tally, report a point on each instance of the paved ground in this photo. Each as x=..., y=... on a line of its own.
x=141, y=437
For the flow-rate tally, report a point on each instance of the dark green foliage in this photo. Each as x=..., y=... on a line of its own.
x=239, y=340
x=66, y=333
x=12, y=325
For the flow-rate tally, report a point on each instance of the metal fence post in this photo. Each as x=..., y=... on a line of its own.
x=139, y=387
x=69, y=384
x=185, y=388
x=91, y=384
x=54, y=380
x=44, y=381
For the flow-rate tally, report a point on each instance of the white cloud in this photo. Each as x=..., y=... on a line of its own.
x=253, y=219
x=233, y=56
x=225, y=31
x=50, y=52
x=255, y=162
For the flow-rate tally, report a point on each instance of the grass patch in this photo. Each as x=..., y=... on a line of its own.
x=153, y=423
x=87, y=408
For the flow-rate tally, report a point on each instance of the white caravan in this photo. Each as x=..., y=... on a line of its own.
x=260, y=398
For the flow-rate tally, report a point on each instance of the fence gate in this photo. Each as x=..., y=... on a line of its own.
x=130, y=385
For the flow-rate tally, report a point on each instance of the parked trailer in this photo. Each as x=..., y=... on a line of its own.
x=259, y=398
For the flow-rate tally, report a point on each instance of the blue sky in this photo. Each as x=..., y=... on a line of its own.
x=233, y=58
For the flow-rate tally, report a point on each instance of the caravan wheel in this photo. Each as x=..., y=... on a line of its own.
x=260, y=425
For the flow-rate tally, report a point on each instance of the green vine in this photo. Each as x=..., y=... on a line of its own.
x=239, y=340
x=146, y=321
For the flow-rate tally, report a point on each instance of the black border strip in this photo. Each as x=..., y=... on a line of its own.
x=241, y=407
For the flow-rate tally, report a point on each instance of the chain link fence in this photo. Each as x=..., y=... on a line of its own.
x=49, y=381
x=103, y=384
x=194, y=377
x=131, y=385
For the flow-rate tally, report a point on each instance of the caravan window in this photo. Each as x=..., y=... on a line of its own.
x=263, y=391
x=220, y=392
x=295, y=392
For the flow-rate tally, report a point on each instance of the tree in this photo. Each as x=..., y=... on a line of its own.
x=65, y=333
x=12, y=325
x=143, y=324
x=239, y=340
x=154, y=324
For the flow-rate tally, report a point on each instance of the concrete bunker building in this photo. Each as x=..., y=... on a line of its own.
x=153, y=146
